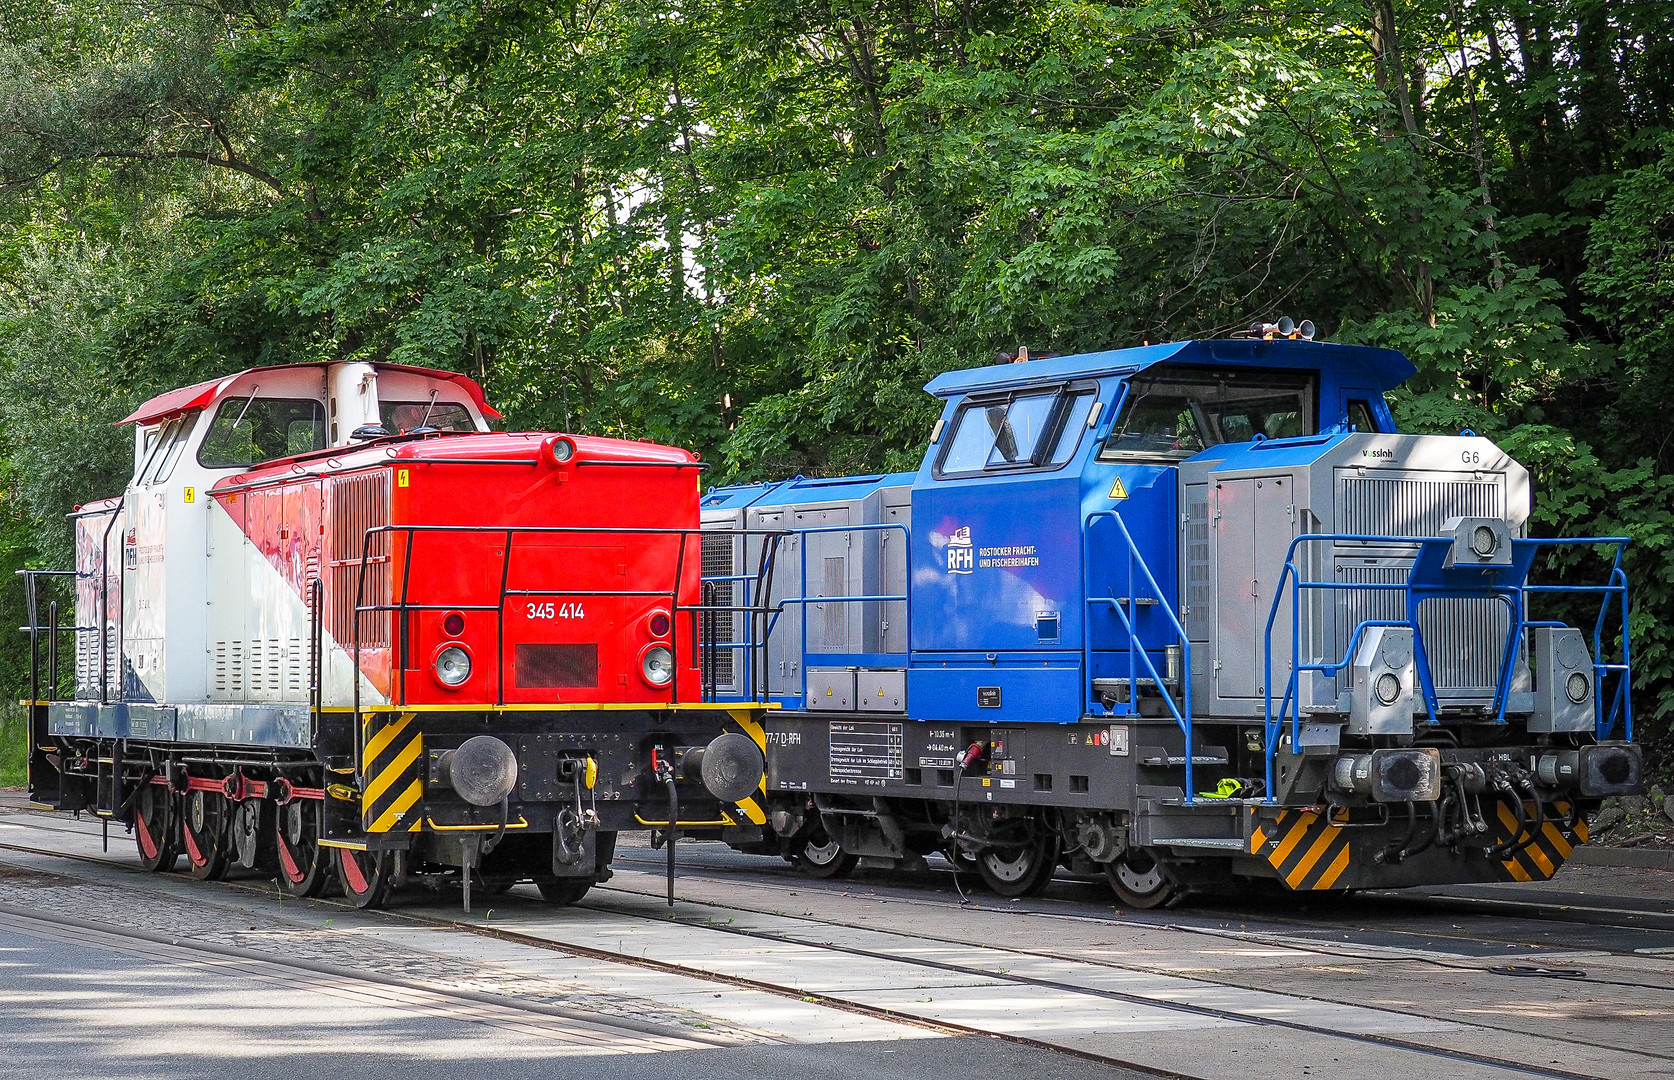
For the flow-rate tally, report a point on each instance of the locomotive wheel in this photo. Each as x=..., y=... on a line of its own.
x=563, y=892
x=304, y=866
x=1019, y=871
x=253, y=845
x=155, y=829
x=205, y=835
x=369, y=877
x=822, y=857
x=1140, y=881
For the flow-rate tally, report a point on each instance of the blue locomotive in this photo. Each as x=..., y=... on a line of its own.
x=1182, y=615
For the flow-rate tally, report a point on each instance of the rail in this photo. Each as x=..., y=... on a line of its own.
x=1424, y=583
x=1137, y=652
x=401, y=610
x=759, y=601
x=53, y=630
x=762, y=617
x=803, y=601
x=774, y=610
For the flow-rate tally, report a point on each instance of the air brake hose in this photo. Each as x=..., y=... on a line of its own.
x=1396, y=853
x=1445, y=834
x=1503, y=851
x=1540, y=817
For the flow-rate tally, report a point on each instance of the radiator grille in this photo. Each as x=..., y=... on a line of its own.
x=1463, y=637
x=358, y=503
x=87, y=662
x=718, y=561
x=1412, y=506
x=835, y=620
x=1200, y=570
x=227, y=670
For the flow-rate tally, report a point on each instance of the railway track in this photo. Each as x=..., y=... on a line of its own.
x=989, y=963
x=527, y=1018
x=934, y=889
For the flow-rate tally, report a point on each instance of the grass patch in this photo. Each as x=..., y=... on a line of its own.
x=14, y=743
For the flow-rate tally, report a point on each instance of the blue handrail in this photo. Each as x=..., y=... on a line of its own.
x=804, y=600
x=1514, y=596
x=801, y=602
x=1136, y=651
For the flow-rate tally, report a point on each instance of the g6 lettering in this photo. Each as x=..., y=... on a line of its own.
x=550, y=610
x=1470, y=457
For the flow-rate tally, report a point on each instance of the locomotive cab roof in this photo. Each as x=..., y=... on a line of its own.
x=200, y=396
x=1382, y=369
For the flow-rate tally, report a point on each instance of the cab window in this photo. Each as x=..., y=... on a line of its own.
x=157, y=442
x=1360, y=415
x=171, y=453
x=1171, y=415
x=1027, y=429
x=400, y=417
x=249, y=431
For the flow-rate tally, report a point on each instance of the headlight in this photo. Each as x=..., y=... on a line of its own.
x=657, y=666
x=1577, y=687
x=453, y=666
x=1483, y=541
x=560, y=449
x=1387, y=688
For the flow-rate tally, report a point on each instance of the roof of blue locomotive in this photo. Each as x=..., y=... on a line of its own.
x=1383, y=368
x=802, y=489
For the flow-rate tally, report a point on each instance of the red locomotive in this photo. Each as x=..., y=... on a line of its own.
x=337, y=628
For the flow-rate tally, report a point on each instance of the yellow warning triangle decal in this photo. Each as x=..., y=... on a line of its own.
x=1117, y=491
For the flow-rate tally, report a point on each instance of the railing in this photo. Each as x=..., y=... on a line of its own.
x=1422, y=584
x=803, y=601
x=404, y=606
x=53, y=630
x=762, y=616
x=1137, y=652
x=760, y=601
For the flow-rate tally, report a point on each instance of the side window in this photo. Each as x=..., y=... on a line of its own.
x=1158, y=422
x=149, y=453
x=973, y=438
x=1360, y=415
x=1007, y=433
x=1021, y=428
x=1029, y=429
x=1075, y=422
x=250, y=431
x=403, y=416
x=182, y=435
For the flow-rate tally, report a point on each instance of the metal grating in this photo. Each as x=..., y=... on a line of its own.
x=1200, y=570
x=226, y=672
x=834, y=620
x=719, y=561
x=358, y=503
x=1412, y=506
x=1464, y=638
x=296, y=670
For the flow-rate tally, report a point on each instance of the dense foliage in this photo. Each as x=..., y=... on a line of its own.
x=756, y=227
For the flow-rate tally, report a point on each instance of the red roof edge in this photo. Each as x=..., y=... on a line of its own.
x=175, y=402
x=198, y=395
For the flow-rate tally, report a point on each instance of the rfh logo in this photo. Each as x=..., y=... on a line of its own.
x=959, y=552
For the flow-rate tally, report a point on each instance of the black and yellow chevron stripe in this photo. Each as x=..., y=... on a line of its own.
x=1309, y=852
x=1549, y=847
x=391, y=780
x=750, y=724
